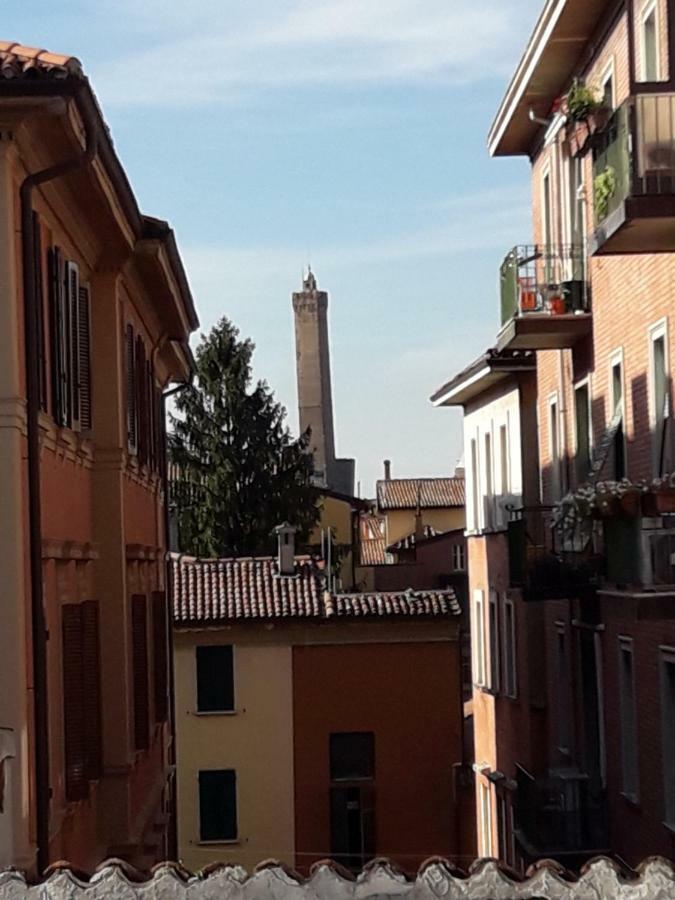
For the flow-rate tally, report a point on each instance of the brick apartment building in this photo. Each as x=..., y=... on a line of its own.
x=572, y=540
x=314, y=724
x=94, y=322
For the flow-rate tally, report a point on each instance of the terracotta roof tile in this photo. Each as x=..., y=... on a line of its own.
x=17, y=61
x=432, y=493
x=217, y=591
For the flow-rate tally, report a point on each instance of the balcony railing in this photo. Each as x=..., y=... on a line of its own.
x=547, y=563
x=561, y=814
x=634, y=177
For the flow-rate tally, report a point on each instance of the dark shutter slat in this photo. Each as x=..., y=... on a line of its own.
x=73, y=303
x=141, y=400
x=130, y=362
x=39, y=308
x=160, y=640
x=92, y=689
x=73, y=702
x=84, y=347
x=57, y=329
x=139, y=627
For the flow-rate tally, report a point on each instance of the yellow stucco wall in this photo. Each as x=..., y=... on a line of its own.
x=401, y=522
x=337, y=515
x=256, y=741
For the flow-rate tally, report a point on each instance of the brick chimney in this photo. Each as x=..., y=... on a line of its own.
x=286, y=548
x=387, y=470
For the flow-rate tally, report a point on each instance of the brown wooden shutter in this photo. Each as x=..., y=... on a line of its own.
x=160, y=653
x=84, y=348
x=72, y=311
x=139, y=641
x=39, y=308
x=130, y=363
x=142, y=400
x=58, y=330
x=73, y=702
x=152, y=418
x=91, y=678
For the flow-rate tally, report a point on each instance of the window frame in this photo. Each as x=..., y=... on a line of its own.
x=218, y=840
x=475, y=483
x=657, y=331
x=478, y=668
x=509, y=638
x=553, y=407
x=583, y=384
x=546, y=187
x=608, y=74
x=485, y=830
x=617, y=359
x=351, y=779
x=493, y=641
x=458, y=550
x=215, y=712
x=625, y=645
x=651, y=6
x=667, y=658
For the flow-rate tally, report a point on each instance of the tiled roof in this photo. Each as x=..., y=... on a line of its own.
x=30, y=62
x=372, y=547
x=601, y=877
x=411, y=540
x=433, y=493
x=394, y=603
x=217, y=591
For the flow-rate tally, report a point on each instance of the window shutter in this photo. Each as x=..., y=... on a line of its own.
x=57, y=327
x=73, y=352
x=161, y=434
x=218, y=805
x=91, y=678
x=139, y=640
x=84, y=351
x=130, y=357
x=39, y=307
x=73, y=702
x=152, y=417
x=160, y=654
x=142, y=400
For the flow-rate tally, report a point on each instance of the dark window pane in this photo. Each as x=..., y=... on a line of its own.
x=218, y=805
x=215, y=678
x=352, y=755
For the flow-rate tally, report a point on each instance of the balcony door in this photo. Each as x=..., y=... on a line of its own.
x=352, y=798
x=575, y=225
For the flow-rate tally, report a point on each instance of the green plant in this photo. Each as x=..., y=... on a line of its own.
x=581, y=101
x=604, y=185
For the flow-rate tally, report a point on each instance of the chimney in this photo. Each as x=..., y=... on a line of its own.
x=286, y=548
x=387, y=470
x=459, y=471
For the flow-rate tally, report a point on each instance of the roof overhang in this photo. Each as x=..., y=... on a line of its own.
x=551, y=55
x=487, y=371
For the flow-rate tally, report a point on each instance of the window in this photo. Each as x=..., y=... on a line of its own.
x=582, y=420
x=81, y=697
x=556, y=472
x=475, y=524
x=218, y=805
x=660, y=398
x=489, y=489
x=546, y=206
x=504, y=459
x=564, y=706
x=650, y=50
x=215, y=678
x=69, y=328
x=503, y=827
x=493, y=625
x=458, y=559
x=144, y=407
x=478, y=637
x=628, y=719
x=139, y=645
x=575, y=216
x=668, y=731
x=510, y=680
x=485, y=820
x=607, y=86
x=352, y=755
x=616, y=381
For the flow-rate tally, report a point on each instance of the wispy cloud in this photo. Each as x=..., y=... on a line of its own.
x=204, y=52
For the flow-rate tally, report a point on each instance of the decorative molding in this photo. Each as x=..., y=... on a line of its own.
x=141, y=552
x=436, y=879
x=52, y=548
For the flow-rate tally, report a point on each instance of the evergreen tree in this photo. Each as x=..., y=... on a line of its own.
x=239, y=472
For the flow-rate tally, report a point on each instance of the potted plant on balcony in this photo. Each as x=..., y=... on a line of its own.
x=585, y=115
x=604, y=186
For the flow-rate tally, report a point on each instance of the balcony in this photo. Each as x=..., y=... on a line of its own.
x=544, y=297
x=560, y=816
x=634, y=178
x=547, y=564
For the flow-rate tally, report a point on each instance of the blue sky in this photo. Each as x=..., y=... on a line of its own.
x=347, y=132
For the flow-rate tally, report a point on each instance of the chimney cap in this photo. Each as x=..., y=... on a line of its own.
x=285, y=527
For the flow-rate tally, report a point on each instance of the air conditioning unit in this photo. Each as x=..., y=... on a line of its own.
x=657, y=556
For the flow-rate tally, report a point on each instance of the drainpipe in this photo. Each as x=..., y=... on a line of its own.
x=40, y=634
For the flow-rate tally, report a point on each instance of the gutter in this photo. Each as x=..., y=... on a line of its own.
x=40, y=634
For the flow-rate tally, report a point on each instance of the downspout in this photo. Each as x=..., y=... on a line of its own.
x=40, y=634
x=173, y=825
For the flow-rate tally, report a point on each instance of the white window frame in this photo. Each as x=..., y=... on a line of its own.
x=579, y=385
x=556, y=459
x=474, y=462
x=485, y=791
x=667, y=658
x=626, y=645
x=509, y=640
x=546, y=176
x=489, y=471
x=658, y=330
x=607, y=75
x=617, y=359
x=493, y=643
x=478, y=644
x=650, y=7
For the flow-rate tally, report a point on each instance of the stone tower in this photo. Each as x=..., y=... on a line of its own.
x=315, y=398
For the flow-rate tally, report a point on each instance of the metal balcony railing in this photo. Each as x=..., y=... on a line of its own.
x=634, y=155
x=543, y=279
